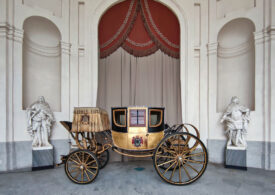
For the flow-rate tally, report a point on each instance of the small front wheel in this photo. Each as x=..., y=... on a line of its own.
x=82, y=166
x=180, y=158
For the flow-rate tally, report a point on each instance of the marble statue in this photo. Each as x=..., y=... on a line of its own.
x=40, y=121
x=236, y=119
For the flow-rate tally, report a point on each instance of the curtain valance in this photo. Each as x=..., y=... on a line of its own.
x=141, y=27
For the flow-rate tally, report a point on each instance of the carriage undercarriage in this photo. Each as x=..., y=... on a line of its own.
x=180, y=157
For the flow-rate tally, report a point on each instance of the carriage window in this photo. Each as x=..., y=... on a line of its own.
x=137, y=118
x=155, y=117
x=119, y=117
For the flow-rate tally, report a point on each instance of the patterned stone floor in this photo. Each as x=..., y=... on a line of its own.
x=139, y=178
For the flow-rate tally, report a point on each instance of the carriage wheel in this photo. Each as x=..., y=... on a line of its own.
x=82, y=166
x=103, y=158
x=180, y=158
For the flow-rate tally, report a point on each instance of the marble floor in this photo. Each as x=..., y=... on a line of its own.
x=139, y=178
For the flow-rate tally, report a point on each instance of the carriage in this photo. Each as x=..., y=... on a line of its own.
x=178, y=154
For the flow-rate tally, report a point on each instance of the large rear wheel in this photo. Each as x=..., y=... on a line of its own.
x=82, y=166
x=180, y=158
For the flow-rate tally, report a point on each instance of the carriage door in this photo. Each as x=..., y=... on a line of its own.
x=137, y=128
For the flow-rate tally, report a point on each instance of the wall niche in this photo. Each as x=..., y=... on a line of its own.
x=236, y=63
x=41, y=62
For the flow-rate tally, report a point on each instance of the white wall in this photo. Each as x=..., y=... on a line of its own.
x=200, y=21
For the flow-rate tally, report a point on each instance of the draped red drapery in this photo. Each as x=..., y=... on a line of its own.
x=141, y=27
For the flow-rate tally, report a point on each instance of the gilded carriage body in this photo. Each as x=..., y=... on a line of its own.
x=137, y=128
x=135, y=132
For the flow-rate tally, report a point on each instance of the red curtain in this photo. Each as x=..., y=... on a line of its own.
x=141, y=27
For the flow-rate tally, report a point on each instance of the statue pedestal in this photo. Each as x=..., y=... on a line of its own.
x=235, y=157
x=42, y=158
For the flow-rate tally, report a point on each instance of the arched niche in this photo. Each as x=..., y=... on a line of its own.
x=41, y=62
x=236, y=63
x=125, y=73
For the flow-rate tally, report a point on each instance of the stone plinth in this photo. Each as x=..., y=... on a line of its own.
x=42, y=158
x=235, y=157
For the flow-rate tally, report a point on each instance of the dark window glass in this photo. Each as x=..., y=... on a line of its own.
x=120, y=117
x=155, y=117
x=137, y=118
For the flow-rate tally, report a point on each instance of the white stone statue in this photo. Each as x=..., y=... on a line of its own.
x=40, y=121
x=236, y=118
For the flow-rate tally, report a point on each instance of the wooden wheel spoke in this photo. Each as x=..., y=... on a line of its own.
x=82, y=175
x=83, y=155
x=91, y=171
x=193, y=148
x=74, y=161
x=179, y=173
x=194, y=161
x=178, y=144
x=160, y=156
x=173, y=172
x=74, y=170
x=186, y=172
x=192, y=168
x=169, y=167
x=184, y=151
x=77, y=157
x=87, y=159
x=166, y=162
x=196, y=154
x=90, y=167
x=76, y=176
x=75, y=166
x=87, y=175
x=187, y=140
x=170, y=151
x=91, y=162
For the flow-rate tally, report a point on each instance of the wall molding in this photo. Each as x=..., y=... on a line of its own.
x=212, y=48
x=226, y=52
x=271, y=31
x=81, y=51
x=11, y=32
x=48, y=51
x=3, y=29
x=65, y=47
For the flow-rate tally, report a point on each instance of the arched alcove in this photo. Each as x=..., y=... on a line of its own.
x=137, y=69
x=41, y=62
x=236, y=63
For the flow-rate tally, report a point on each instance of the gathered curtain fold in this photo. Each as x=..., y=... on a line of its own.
x=141, y=27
